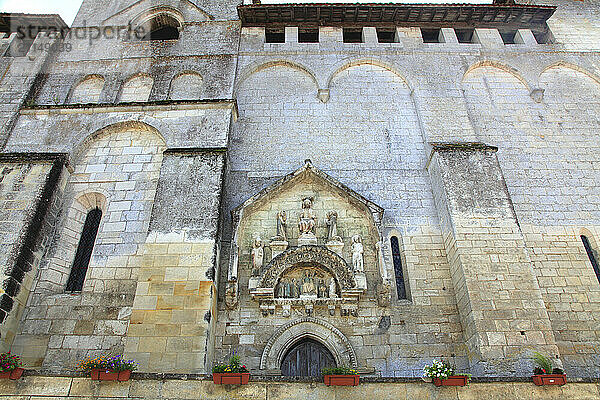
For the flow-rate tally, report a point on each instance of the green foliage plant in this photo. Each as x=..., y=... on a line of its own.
x=234, y=366
x=339, y=371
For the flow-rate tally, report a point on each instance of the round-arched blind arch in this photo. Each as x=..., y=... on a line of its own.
x=84, y=251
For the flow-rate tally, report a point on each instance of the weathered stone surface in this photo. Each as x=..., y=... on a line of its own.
x=490, y=252
x=37, y=386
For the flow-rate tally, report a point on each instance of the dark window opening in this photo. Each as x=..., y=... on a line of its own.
x=386, y=35
x=430, y=35
x=543, y=37
x=352, y=35
x=464, y=35
x=164, y=33
x=19, y=47
x=508, y=37
x=397, y=259
x=308, y=35
x=161, y=27
x=274, y=35
x=591, y=255
x=84, y=251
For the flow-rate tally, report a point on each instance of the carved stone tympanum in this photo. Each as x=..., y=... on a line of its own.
x=305, y=283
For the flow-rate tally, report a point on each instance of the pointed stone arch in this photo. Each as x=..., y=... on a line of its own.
x=498, y=65
x=307, y=328
x=574, y=67
x=258, y=66
x=367, y=61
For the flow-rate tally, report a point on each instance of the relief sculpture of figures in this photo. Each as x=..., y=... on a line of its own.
x=281, y=226
x=332, y=235
x=357, y=254
x=258, y=255
x=332, y=293
x=308, y=285
x=306, y=221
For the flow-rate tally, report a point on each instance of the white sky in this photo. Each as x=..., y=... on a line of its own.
x=66, y=8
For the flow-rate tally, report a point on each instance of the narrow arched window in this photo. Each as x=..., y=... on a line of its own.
x=591, y=255
x=84, y=251
x=397, y=258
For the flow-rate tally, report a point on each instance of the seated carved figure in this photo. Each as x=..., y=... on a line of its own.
x=306, y=222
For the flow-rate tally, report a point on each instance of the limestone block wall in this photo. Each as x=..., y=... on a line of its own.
x=64, y=129
x=18, y=74
x=31, y=193
x=500, y=303
x=64, y=75
x=547, y=138
x=117, y=171
x=174, y=311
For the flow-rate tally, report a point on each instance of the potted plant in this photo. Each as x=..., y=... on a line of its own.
x=10, y=366
x=443, y=374
x=107, y=368
x=340, y=376
x=544, y=374
x=233, y=373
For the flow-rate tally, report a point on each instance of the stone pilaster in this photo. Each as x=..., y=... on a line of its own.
x=500, y=304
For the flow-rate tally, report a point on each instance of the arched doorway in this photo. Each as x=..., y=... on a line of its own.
x=306, y=358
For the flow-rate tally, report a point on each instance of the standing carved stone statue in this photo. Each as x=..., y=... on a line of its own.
x=258, y=255
x=280, y=289
x=287, y=291
x=281, y=226
x=332, y=293
x=321, y=289
x=357, y=254
x=332, y=235
x=306, y=222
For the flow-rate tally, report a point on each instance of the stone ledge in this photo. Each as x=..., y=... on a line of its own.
x=47, y=387
x=290, y=379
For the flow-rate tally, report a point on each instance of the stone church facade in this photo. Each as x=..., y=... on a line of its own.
x=385, y=184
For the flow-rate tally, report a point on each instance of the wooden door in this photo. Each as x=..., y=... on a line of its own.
x=307, y=358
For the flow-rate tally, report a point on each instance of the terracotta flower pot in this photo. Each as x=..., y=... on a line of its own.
x=13, y=374
x=103, y=375
x=452, y=380
x=550, y=379
x=341, y=380
x=231, y=378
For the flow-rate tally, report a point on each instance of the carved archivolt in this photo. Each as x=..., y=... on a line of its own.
x=308, y=255
x=309, y=327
